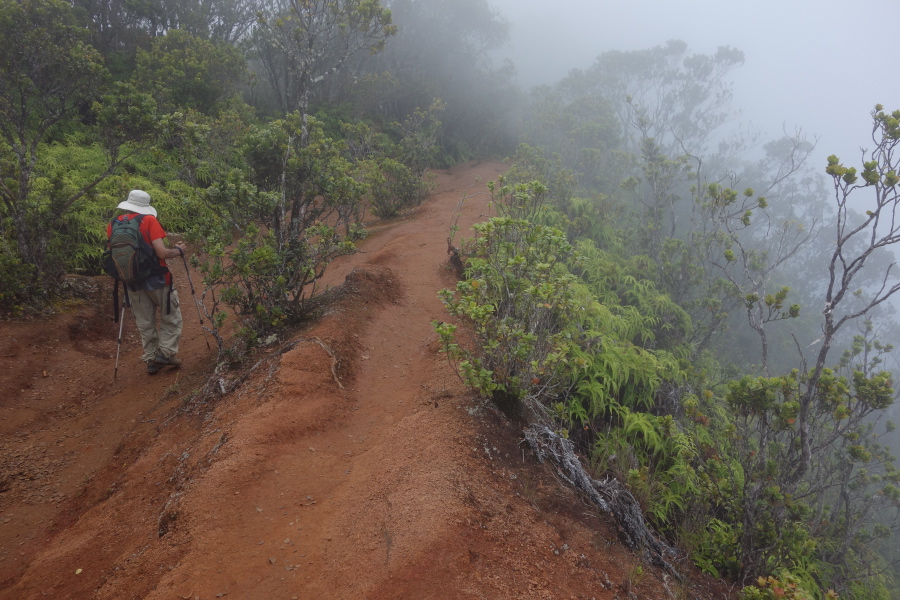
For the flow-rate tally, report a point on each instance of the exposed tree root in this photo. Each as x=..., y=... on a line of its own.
x=218, y=385
x=334, y=360
x=609, y=495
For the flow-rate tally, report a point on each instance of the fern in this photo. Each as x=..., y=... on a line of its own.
x=641, y=430
x=650, y=315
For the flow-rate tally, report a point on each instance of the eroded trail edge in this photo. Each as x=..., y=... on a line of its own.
x=352, y=465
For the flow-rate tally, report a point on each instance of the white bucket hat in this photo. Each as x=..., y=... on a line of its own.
x=139, y=202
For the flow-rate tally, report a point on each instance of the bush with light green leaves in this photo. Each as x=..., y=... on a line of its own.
x=518, y=297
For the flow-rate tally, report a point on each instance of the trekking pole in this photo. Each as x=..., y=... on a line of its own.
x=125, y=303
x=196, y=302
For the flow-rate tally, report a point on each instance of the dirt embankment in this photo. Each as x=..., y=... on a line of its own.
x=352, y=465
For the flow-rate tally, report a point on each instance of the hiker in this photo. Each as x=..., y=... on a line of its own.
x=149, y=282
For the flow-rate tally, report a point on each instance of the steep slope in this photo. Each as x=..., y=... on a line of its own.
x=351, y=463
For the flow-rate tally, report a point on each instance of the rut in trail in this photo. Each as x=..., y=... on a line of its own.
x=354, y=465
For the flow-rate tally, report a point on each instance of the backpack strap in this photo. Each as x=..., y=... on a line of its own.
x=115, y=300
x=126, y=300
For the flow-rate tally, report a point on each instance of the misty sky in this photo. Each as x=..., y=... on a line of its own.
x=820, y=65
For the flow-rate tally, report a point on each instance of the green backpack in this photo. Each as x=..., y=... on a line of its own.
x=129, y=258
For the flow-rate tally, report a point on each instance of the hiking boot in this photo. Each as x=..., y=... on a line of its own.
x=152, y=367
x=163, y=361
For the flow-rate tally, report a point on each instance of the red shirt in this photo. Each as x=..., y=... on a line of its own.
x=151, y=230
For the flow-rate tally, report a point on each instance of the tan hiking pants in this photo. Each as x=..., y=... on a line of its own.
x=155, y=338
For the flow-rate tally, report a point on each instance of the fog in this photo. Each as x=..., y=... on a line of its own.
x=817, y=65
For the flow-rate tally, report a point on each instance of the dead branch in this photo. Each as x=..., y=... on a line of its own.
x=609, y=495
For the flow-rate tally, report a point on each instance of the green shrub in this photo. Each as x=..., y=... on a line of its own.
x=519, y=298
x=17, y=281
x=393, y=187
x=307, y=196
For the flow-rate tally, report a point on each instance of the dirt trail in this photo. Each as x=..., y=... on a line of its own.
x=354, y=465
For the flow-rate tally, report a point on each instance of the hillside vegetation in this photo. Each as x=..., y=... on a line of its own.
x=707, y=330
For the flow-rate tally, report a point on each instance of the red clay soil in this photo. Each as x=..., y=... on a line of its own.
x=353, y=464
